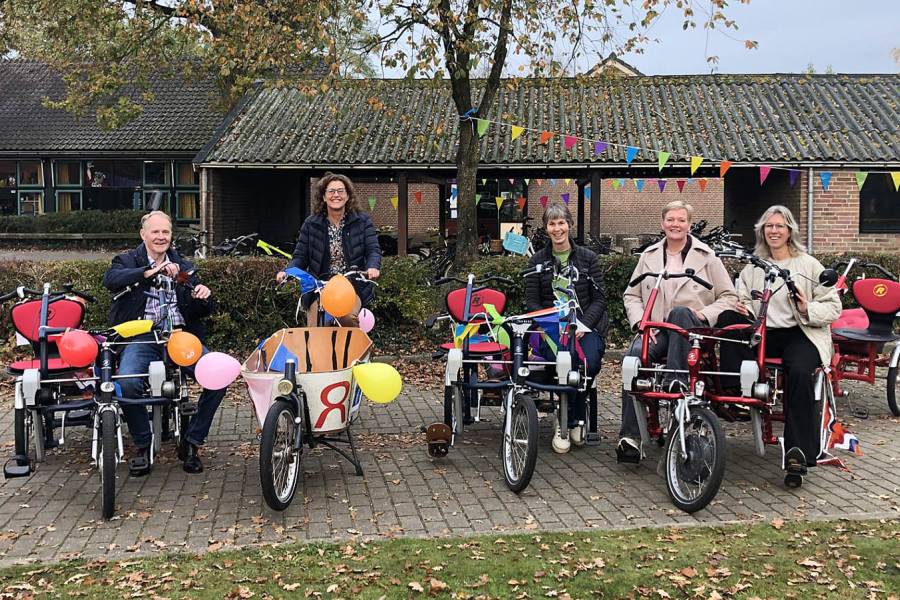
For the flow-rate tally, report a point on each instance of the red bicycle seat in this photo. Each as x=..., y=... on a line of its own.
x=456, y=302
x=26, y=316
x=851, y=318
x=880, y=296
x=54, y=365
x=479, y=347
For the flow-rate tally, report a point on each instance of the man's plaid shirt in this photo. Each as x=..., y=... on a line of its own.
x=153, y=310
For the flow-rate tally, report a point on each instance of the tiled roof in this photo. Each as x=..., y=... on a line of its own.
x=743, y=118
x=181, y=119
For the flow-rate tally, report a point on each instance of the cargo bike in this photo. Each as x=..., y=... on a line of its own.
x=306, y=386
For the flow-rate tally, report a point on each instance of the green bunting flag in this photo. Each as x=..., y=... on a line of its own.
x=662, y=157
x=372, y=202
x=482, y=126
x=861, y=179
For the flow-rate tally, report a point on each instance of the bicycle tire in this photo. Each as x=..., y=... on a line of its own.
x=107, y=456
x=699, y=465
x=21, y=432
x=518, y=462
x=892, y=391
x=279, y=481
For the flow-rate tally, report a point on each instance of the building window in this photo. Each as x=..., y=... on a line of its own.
x=879, y=205
x=31, y=203
x=188, y=206
x=187, y=176
x=8, y=187
x=112, y=185
x=187, y=193
x=157, y=173
x=68, y=174
x=31, y=173
x=67, y=201
x=157, y=200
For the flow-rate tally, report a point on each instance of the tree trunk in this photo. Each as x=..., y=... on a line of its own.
x=467, y=157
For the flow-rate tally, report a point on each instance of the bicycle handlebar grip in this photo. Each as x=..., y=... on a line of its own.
x=9, y=296
x=640, y=278
x=498, y=279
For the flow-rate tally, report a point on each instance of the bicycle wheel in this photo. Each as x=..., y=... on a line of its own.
x=23, y=432
x=519, y=447
x=453, y=407
x=892, y=391
x=694, y=480
x=106, y=457
x=279, y=461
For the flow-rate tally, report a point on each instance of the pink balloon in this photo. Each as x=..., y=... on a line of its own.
x=216, y=370
x=366, y=320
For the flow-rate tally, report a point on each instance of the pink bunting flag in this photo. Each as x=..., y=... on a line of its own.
x=680, y=183
x=763, y=173
x=544, y=200
x=570, y=141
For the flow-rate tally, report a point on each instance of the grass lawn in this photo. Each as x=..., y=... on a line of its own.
x=841, y=559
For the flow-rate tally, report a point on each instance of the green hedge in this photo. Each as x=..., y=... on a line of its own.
x=248, y=307
x=77, y=221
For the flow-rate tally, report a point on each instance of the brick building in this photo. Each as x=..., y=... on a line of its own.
x=396, y=139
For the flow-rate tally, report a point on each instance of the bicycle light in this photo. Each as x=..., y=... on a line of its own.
x=699, y=388
x=285, y=387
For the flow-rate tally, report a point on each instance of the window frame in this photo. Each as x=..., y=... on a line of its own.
x=79, y=192
x=33, y=190
x=888, y=187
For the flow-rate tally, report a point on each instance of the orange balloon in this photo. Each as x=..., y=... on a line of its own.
x=338, y=296
x=77, y=348
x=184, y=348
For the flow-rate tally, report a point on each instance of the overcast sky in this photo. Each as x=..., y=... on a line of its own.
x=853, y=36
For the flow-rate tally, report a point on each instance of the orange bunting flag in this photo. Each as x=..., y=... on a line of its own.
x=418, y=197
x=696, y=161
x=895, y=176
x=545, y=136
x=702, y=183
x=723, y=167
x=517, y=131
x=521, y=202
x=570, y=141
x=395, y=201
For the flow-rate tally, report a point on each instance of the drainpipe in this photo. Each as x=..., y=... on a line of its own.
x=809, y=211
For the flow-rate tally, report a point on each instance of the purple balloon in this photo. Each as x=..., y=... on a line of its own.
x=216, y=370
x=366, y=320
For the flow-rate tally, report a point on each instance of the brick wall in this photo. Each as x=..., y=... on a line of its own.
x=264, y=201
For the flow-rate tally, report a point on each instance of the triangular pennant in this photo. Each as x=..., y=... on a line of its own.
x=545, y=136
x=484, y=181
x=702, y=183
x=395, y=201
x=482, y=126
x=696, y=161
x=568, y=181
x=540, y=181
x=521, y=202
x=639, y=184
x=895, y=177
x=544, y=200
x=372, y=202
x=516, y=131
x=600, y=147
x=662, y=158
x=499, y=201
x=454, y=192
x=587, y=193
x=616, y=184
x=622, y=182
x=793, y=175
x=680, y=183
x=861, y=179
x=570, y=140
x=565, y=197
x=418, y=196
x=763, y=173
x=553, y=183
x=527, y=181
x=662, y=185
x=477, y=198
x=825, y=176
x=630, y=153
x=512, y=181
x=723, y=167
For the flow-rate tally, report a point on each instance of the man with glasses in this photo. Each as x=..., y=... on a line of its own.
x=337, y=237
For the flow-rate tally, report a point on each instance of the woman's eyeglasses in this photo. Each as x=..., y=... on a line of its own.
x=335, y=192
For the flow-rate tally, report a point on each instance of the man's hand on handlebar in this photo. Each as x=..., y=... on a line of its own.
x=372, y=273
x=167, y=268
x=200, y=292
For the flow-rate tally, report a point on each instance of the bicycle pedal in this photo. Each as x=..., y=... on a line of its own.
x=188, y=409
x=21, y=468
x=438, y=436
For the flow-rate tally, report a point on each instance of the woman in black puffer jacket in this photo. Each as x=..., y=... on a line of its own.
x=337, y=237
x=539, y=293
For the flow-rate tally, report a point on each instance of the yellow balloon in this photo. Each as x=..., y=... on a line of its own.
x=380, y=382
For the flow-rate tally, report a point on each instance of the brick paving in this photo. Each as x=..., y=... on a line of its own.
x=54, y=514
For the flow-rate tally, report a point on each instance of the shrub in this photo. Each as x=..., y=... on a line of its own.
x=78, y=221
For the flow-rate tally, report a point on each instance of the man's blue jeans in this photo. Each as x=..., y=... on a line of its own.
x=136, y=358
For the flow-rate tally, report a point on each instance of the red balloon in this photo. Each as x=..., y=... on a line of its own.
x=77, y=348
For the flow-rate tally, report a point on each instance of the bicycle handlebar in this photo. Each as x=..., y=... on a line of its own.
x=21, y=292
x=689, y=273
x=866, y=265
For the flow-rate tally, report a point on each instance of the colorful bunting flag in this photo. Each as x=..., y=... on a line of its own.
x=372, y=201
x=499, y=201
x=565, y=197
x=454, y=192
x=418, y=196
x=723, y=167
x=545, y=136
x=477, y=199
x=600, y=147
x=521, y=202
x=482, y=126
x=662, y=185
x=702, y=183
x=544, y=200
x=680, y=183
x=570, y=141
x=540, y=181
x=895, y=176
x=861, y=179
x=512, y=181
x=516, y=131
x=662, y=157
x=527, y=181
x=568, y=181
x=587, y=193
x=630, y=153
x=639, y=184
x=825, y=176
x=552, y=183
x=395, y=201
x=622, y=182
x=793, y=176
x=696, y=161
x=616, y=184
x=484, y=181
x=763, y=173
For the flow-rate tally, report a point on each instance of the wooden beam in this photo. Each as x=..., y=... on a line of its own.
x=595, y=203
x=580, y=238
x=402, y=213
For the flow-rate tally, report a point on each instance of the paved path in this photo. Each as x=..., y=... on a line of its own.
x=54, y=514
